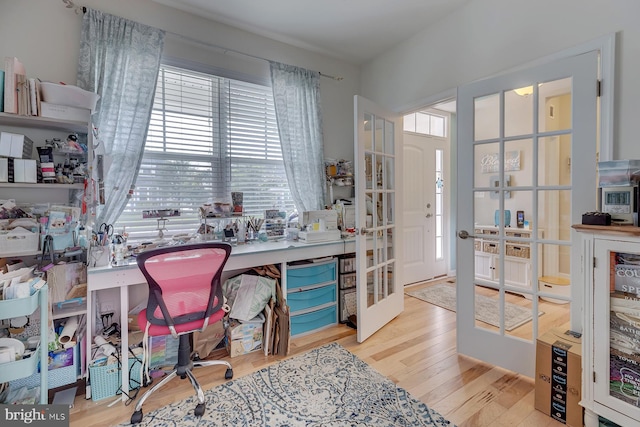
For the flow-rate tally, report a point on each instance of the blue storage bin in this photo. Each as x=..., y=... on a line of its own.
x=58, y=376
x=307, y=322
x=107, y=379
x=311, y=274
x=311, y=297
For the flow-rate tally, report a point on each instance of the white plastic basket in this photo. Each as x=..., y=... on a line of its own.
x=18, y=244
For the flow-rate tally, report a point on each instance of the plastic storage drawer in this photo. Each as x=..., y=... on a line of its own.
x=311, y=297
x=311, y=274
x=308, y=322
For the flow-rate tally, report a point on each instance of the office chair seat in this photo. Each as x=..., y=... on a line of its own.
x=160, y=330
x=185, y=295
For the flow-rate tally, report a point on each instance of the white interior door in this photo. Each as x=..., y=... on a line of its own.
x=526, y=142
x=424, y=160
x=378, y=160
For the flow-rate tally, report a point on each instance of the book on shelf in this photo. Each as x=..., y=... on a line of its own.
x=22, y=90
x=1, y=91
x=33, y=97
x=12, y=68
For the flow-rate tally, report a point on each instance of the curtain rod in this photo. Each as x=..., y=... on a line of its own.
x=77, y=9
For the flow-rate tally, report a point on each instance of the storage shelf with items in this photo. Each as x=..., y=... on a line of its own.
x=517, y=260
x=347, y=288
x=312, y=295
x=61, y=140
x=67, y=143
x=24, y=367
x=339, y=173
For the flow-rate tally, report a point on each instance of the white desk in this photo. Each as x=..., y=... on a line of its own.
x=242, y=257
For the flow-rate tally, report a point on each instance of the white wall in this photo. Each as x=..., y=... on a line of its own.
x=45, y=36
x=487, y=37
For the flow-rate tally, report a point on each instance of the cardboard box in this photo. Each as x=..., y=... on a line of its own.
x=559, y=376
x=243, y=338
x=65, y=112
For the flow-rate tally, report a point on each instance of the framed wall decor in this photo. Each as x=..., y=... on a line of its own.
x=494, y=182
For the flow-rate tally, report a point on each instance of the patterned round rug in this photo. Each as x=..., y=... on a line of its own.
x=326, y=387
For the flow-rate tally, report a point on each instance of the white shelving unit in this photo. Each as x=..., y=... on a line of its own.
x=610, y=345
x=26, y=367
x=38, y=129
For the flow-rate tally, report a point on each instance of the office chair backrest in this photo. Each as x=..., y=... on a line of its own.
x=184, y=281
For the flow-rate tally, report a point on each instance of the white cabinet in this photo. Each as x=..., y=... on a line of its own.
x=517, y=260
x=611, y=322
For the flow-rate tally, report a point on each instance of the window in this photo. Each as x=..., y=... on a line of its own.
x=208, y=136
x=425, y=123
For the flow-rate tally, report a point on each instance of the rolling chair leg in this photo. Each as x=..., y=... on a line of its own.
x=137, y=414
x=200, y=407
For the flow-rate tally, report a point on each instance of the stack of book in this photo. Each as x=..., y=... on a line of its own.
x=21, y=94
x=27, y=96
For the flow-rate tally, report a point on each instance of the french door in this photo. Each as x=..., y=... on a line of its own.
x=378, y=160
x=526, y=173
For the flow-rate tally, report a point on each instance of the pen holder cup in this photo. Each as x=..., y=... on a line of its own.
x=99, y=256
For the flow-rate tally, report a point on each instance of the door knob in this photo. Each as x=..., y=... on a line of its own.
x=464, y=234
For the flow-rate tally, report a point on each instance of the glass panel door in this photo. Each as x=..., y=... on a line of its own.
x=378, y=187
x=515, y=170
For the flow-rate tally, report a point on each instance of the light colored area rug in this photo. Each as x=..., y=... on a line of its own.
x=444, y=295
x=326, y=387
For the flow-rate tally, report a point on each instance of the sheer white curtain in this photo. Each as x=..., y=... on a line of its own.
x=296, y=94
x=119, y=60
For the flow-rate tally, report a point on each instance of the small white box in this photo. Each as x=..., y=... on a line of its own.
x=64, y=112
x=4, y=169
x=15, y=145
x=319, y=236
x=24, y=171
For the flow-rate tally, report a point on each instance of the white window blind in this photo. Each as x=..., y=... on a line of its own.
x=208, y=136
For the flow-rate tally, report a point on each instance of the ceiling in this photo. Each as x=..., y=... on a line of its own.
x=355, y=31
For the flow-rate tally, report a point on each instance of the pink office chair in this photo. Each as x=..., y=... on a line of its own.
x=185, y=295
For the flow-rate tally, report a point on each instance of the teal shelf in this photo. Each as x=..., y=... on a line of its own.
x=23, y=368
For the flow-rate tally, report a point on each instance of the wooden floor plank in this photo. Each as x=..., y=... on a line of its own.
x=416, y=351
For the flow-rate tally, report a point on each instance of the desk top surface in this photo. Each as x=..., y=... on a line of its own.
x=249, y=249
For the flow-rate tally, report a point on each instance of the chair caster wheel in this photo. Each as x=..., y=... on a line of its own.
x=136, y=417
x=199, y=411
x=228, y=374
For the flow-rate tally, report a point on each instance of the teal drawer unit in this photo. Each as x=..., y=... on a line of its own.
x=310, y=274
x=311, y=321
x=312, y=295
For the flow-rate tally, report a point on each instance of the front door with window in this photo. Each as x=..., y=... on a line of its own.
x=425, y=217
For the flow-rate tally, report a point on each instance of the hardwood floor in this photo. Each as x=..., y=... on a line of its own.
x=417, y=350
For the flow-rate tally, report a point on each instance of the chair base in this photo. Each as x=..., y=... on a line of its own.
x=183, y=370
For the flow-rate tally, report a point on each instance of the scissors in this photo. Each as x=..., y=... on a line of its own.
x=105, y=231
